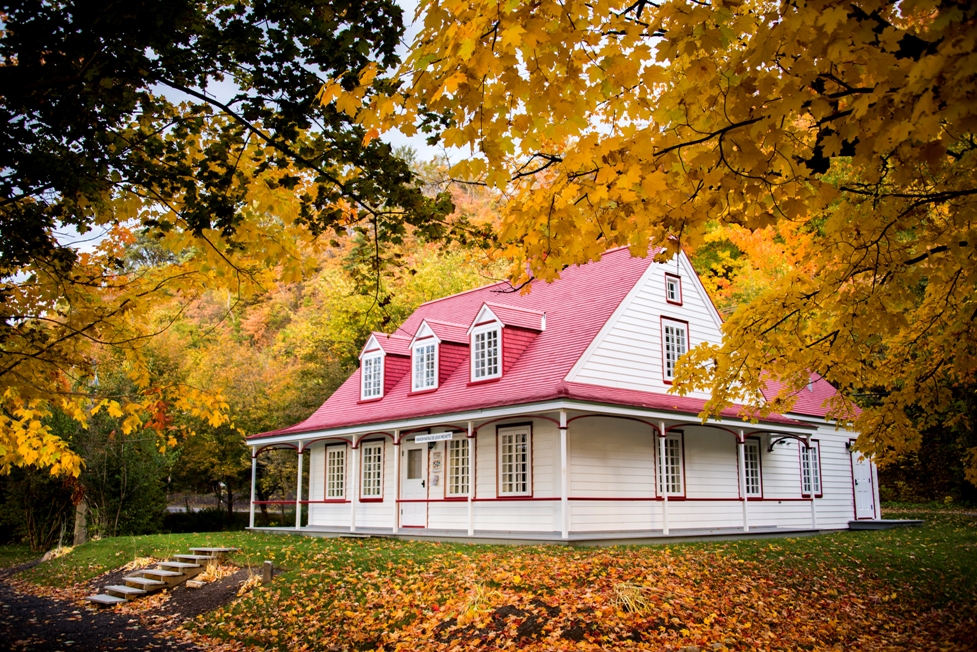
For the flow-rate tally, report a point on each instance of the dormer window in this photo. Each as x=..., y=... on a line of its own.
x=486, y=353
x=425, y=374
x=673, y=289
x=372, y=376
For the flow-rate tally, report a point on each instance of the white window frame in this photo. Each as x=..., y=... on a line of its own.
x=809, y=454
x=420, y=354
x=673, y=281
x=751, y=463
x=673, y=345
x=375, y=389
x=508, y=440
x=459, y=475
x=484, y=331
x=676, y=476
x=335, y=472
x=371, y=469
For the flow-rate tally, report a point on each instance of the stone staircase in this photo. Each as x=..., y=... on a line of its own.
x=165, y=575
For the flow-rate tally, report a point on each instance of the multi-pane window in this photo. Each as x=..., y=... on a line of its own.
x=751, y=456
x=425, y=367
x=372, y=377
x=458, y=467
x=372, y=469
x=514, y=462
x=673, y=289
x=810, y=469
x=335, y=472
x=485, y=357
x=675, y=344
x=670, y=469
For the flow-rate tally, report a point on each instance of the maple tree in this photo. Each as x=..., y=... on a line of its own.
x=848, y=125
x=191, y=125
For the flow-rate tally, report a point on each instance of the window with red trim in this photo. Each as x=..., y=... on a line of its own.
x=673, y=289
x=675, y=338
x=372, y=473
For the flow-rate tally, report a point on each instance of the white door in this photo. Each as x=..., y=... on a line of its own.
x=864, y=487
x=413, y=493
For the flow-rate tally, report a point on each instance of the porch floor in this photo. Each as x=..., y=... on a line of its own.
x=602, y=538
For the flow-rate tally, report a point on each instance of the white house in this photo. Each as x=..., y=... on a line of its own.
x=496, y=415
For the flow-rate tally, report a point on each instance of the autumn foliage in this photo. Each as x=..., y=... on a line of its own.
x=846, y=127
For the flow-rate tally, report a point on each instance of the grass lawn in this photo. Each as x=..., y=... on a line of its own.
x=14, y=554
x=913, y=588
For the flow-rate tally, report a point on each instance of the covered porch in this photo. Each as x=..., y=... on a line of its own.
x=564, y=472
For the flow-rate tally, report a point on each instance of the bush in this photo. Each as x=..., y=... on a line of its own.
x=212, y=519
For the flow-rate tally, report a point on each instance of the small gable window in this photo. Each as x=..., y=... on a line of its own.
x=486, y=358
x=675, y=343
x=673, y=289
x=425, y=374
x=372, y=377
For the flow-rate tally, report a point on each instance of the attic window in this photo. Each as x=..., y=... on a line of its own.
x=372, y=377
x=673, y=289
x=486, y=362
x=425, y=374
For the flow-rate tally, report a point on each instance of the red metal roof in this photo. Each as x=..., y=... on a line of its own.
x=576, y=307
x=811, y=400
x=448, y=331
x=391, y=344
x=518, y=317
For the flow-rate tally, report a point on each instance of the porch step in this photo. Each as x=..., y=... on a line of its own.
x=105, y=600
x=122, y=591
x=144, y=583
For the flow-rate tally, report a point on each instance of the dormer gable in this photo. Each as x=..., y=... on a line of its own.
x=498, y=336
x=384, y=360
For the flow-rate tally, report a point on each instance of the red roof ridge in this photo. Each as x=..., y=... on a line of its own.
x=458, y=294
x=509, y=307
x=442, y=322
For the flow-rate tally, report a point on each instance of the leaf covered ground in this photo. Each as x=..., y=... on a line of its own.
x=901, y=589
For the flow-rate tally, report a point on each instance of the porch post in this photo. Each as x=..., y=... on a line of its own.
x=564, y=477
x=662, y=480
x=396, y=494
x=741, y=449
x=471, y=478
x=254, y=480
x=354, y=474
x=298, y=491
x=810, y=468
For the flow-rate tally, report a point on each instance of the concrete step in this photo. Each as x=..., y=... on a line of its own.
x=188, y=569
x=144, y=583
x=172, y=578
x=104, y=600
x=194, y=558
x=122, y=591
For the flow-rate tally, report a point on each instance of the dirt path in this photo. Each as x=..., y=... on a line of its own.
x=29, y=622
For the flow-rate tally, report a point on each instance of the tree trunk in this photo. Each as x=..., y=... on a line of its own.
x=81, y=523
x=230, y=505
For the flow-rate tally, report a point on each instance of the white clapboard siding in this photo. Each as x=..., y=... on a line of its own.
x=711, y=464
x=627, y=353
x=517, y=516
x=609, y=458
x=606, y=516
